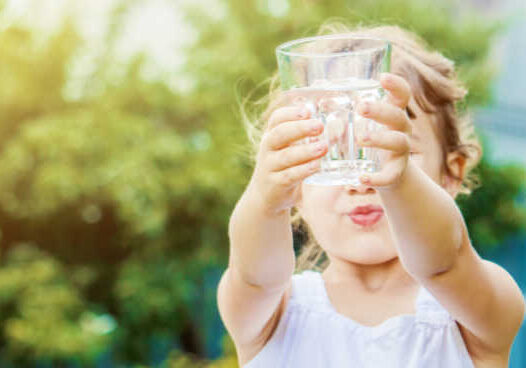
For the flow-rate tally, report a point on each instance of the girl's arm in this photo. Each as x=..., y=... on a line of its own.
x=254, y=290
x=431, y=236
x=434, y=247
x=261, y=264
x=426, y=224
x=261, y=250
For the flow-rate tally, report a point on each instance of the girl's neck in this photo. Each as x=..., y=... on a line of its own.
x=370, y=277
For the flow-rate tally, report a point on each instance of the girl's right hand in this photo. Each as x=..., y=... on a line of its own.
x=281, y=165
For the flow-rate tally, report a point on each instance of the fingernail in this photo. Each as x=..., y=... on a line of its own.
x=316, y=128
x=365, y=179
x=365, y=107
x=303, y=113
x=385, y=78
x=319, y=146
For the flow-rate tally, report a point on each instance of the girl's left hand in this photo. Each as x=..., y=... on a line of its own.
x=395, y=139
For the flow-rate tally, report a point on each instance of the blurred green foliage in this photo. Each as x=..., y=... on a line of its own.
x=178, y=359
x=493, y=212
x=42, y=310
x=114, y=205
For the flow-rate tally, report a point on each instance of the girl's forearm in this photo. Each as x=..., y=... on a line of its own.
x=261, y=245
x=425, y=221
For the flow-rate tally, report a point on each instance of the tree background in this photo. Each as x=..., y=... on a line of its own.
x=116, y=190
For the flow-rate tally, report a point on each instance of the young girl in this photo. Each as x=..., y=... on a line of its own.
x=388, y=277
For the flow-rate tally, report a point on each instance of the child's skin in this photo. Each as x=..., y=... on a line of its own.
x=374, y=272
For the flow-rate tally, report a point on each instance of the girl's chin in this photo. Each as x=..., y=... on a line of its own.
x=369, y=251
x=368, y=259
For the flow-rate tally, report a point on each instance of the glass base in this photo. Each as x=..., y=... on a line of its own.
x=341, y=172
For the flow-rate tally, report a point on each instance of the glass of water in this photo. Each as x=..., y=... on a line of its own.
x=331, y=75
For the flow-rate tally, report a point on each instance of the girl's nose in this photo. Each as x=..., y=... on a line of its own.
x=360, y=188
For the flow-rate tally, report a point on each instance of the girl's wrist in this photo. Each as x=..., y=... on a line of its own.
x=255, y=200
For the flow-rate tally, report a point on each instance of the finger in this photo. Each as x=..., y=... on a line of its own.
x=386, y=114
x=388, y=176
x=288, y=113
x=286, y=133
x=294, y=175
x=391, y=140
x=398, y=88
x=296, y=155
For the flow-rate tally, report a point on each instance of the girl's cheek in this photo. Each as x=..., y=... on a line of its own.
x=428, y=164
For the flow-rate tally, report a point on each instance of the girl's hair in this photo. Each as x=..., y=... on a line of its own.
x=436, y=89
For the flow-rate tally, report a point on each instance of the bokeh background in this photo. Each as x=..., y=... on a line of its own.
x=123, y=155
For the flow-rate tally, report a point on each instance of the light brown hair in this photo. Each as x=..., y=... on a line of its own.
x=436, y=89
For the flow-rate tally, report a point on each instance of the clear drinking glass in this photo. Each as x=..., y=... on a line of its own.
x=331, y=75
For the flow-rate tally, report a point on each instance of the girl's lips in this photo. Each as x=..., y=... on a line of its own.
x=367, y=219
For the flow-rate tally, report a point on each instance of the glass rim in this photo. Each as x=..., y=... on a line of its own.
x=281, y=49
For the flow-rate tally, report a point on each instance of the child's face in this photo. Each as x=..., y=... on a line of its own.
x=325, y=208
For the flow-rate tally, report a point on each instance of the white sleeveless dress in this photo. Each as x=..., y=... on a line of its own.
x=312, y=334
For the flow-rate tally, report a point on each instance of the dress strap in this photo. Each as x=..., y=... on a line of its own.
x=429, y=310
x=307, y=289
